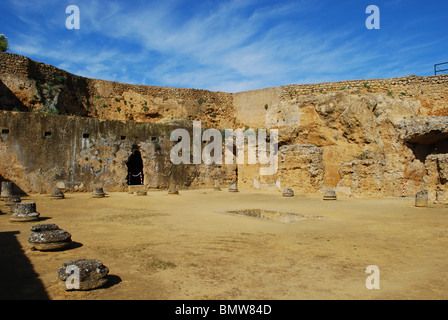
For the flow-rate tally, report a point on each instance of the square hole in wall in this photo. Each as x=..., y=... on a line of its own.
x=153, y=138
x=85, y=136
x=5, y=131
x=47, y=134
x=123, y=137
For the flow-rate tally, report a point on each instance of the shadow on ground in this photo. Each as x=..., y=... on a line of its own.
x=18, y=280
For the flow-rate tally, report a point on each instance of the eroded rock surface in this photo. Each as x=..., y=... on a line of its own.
x=86, y=274
x=48, y=236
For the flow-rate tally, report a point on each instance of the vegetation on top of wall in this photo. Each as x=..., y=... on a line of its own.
x=3, y=43
x=60, y=79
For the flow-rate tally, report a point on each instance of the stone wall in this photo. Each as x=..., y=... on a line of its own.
x=362, y=137
x=41, y=152
x=27, y=85
x=375, y=135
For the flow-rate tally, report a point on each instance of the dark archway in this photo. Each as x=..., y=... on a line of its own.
x=135, y=168
x=425, y=145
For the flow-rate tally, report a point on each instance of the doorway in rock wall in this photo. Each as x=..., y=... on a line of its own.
x=427, y=145
x=135, y=168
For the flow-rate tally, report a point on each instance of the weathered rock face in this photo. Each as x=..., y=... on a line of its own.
x=424, y=130
x=301, y=166
x=39, y=152
x=90, y=274
x=375, y=135
x=362, y=137
x=436, y=180
x=365, y=175
x=27, y=85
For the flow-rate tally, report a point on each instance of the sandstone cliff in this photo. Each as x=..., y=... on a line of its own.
x=363, y=137
x=376, y=136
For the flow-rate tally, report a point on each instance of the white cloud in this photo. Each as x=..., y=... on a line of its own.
x=227, y=45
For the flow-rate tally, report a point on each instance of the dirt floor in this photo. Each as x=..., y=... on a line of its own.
x=185, y=246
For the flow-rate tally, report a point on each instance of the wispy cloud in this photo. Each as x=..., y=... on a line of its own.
x=219, y=45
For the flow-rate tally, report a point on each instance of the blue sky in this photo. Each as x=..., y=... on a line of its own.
x=232, y=45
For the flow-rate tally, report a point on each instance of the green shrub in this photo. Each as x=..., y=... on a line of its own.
x=53, y=111
x=60, y=79
x=266, y=106
x=3, y=43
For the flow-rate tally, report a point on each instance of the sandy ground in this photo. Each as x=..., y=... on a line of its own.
x=184, y=246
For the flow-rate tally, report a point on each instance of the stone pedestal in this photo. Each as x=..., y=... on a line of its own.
x=57, y=194
x=25, y=211
x=330, y=195
x=48, y=236
x=233, y=187
x=98, y=193
x=6, y=190
x=421, y=199
x=11, y=201
x=173, y=192
x=85, y=274
x=141, y=193
x=217, y=186
x=288, y=193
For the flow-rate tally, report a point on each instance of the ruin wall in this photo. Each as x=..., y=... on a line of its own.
x=40, y=153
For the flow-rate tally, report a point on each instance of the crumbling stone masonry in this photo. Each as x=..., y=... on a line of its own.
x=41, y=152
